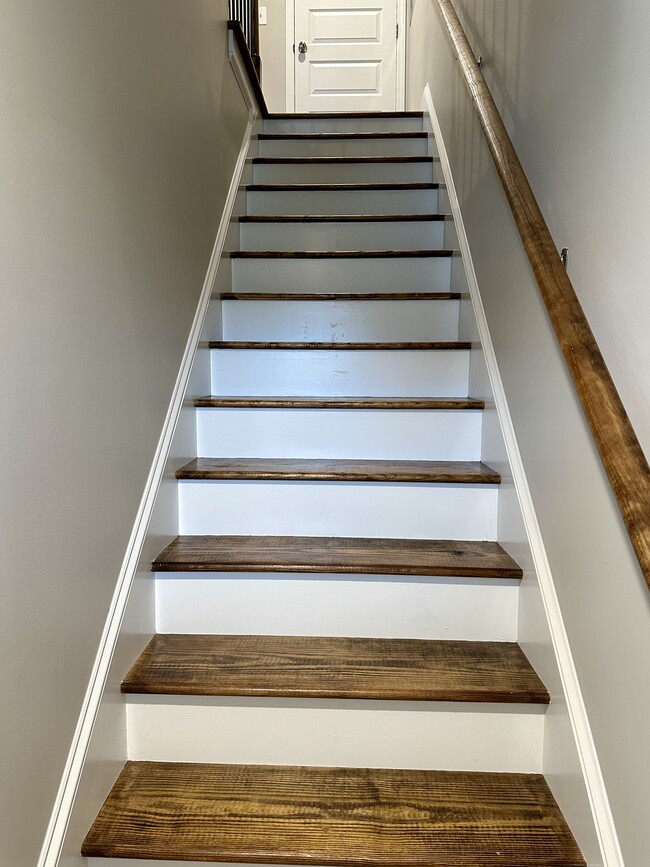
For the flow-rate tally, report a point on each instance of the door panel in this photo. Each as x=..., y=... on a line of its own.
x=350, y=62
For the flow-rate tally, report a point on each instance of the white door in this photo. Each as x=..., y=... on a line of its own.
x=345, y=55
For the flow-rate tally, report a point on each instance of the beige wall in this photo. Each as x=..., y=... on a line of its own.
x=119, y=127
x=574, y=98
x=273, y=51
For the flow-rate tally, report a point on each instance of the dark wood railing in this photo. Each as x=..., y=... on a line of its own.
x=247, y=13
x=621, y=454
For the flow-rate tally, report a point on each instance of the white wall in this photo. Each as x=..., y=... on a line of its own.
x=120, y=123
x=603, y=597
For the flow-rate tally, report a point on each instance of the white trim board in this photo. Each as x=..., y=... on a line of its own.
x=400, y=57
x=586, y=749
x=60, y=817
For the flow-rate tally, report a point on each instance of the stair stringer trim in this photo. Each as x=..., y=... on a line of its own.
x=55, y=835
x=604, y=827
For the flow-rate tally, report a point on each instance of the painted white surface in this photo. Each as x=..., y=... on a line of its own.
x=109, y=204
x=440, y=435
x=332, y=321
x=343, y=202
x=373, y=606
x=343, y=173
x=417, y=511
x=367, y=734
x=347, y=372
x=420, y=274
x=350, y=58
x=370, y=147
x=415, y=235
x=606, y=621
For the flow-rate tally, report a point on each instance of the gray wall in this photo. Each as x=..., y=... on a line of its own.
x=120, y=123
x=572, y=91
x=273, y=51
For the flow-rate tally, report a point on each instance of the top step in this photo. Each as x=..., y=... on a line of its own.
x=347, y=122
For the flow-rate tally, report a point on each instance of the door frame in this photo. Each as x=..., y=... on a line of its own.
x=400, y=56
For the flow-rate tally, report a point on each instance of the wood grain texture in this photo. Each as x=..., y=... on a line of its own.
x=343, y=115
x=291, y=666
x=340, y=296
x=336, y=136
x=330, y=554
x=410, y=403
x=337, y=161
x=287, y=188
x=620, y=451
x=344, y=218
x=341, y=254
x=331, y=470
x=353, y=817
x=439, y=346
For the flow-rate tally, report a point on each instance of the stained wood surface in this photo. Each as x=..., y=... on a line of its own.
x=344, y=218
x=620, y=451
x=315, y=667
x=336, y=136
x=337, y=161
x=341, y=254
x=410, y=403
x=440, y=345
x=247, y=60
x=345, y=115
x=341, y=187
x=337, y=555
x=340, y=296
x=326, y=470
x=353, y=817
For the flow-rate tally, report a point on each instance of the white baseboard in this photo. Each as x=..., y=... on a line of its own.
x=586, y=749
x=60, y=818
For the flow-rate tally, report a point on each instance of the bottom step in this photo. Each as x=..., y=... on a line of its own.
x=331, y=816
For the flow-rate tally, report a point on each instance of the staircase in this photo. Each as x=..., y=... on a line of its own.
x=336, y=678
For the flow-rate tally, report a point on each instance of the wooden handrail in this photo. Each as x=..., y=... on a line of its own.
x=620, y=451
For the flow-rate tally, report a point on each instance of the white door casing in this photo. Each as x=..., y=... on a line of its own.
x=351, y=62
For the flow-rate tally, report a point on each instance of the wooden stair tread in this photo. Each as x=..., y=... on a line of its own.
x=336, y=136
x=318, y=469
x=440, y=345
x=343, y=218
x=346, y=668
x=342, y=254
x=411, y=403
x=340, y=187
x=340, y=115
x=340, y=296
x=331, y=554
x=313, y=160
x=353, y=817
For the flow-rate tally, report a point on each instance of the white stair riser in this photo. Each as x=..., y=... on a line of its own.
x=365, y=606
x=305, y=372
x=395, y=510
x=400, y=235
x=343, y=173
x=392, y=274
x=372, y=734
x=333, y=321
x=344, y=124
x=346, y=147
x=325, y=433
x=342, y=202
